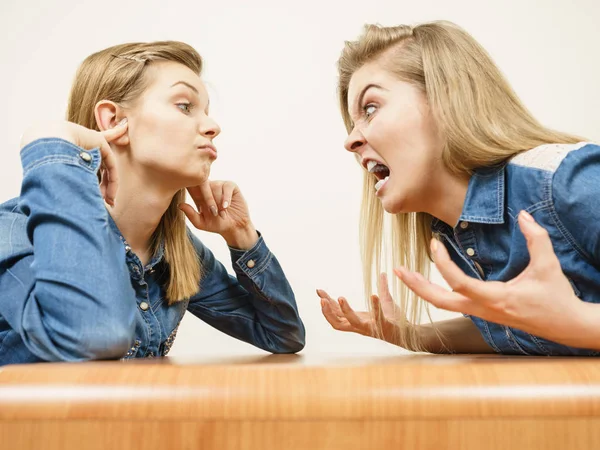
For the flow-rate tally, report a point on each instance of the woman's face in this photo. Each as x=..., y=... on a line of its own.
x=394, y=137
x=170, y=132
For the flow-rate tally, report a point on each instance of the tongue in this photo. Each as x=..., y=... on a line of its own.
x=381, y=171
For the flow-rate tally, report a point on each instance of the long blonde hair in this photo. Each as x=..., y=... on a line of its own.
x=118, y=74
x=481, y=120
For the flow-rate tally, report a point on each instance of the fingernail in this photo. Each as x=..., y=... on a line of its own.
x=225, y=205
x=213, y=210
x=527, y=216
x=122, y=122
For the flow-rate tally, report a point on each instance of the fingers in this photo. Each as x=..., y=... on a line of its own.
x=359, y=325
x=196, y=219
x=436, y=295
x=459, y=281
x=228, y=189
x=110, y=176
x=335, y=319
x=541, y=252
x=115, y=133
x=335, y=307
x=110, y=173
x=204, y=198
x=383, y=288
x=104, y=183
x=378, y=313
x=385, y=299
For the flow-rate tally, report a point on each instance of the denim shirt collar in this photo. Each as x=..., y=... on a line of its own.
x=156, y=258
x=484, y=202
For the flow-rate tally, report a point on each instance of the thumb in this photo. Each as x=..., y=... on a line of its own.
x=196, y=219
x=383, y=288
x=541, y=252
x=116, y=132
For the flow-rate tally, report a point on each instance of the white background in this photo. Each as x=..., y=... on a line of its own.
x=271, y=71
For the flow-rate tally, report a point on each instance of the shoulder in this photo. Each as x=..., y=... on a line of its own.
x=551, y=157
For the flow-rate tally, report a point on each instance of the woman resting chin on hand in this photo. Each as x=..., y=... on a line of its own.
x=106, y=270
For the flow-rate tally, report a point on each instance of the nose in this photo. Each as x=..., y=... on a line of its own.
x=209, y=128
x=355, y=141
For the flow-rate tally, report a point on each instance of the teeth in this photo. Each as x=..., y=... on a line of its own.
x=380, y=183
x=371, y=165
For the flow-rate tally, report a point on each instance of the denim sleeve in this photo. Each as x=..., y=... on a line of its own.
x=257, y=307
x=575, y=195
x=69, y=296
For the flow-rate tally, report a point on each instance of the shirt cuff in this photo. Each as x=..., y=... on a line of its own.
x=254, y=261
x=56, y=150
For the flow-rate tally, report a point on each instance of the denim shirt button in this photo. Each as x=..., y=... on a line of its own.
x=470, y=252
x=144, y=306
x=250, y=264
x=127, y=248
x=85, y=156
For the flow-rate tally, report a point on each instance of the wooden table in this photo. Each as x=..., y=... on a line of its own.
x=303, y=402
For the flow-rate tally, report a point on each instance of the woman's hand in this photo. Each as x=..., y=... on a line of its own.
x=221, y=209
x=86, y=139
x=384, y=315
x=539, y=301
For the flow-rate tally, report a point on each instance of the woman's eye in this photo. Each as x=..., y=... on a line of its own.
x=369, y=110
x=185, y=107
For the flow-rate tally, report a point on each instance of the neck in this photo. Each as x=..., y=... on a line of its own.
x=449, y=198
x=139, y=207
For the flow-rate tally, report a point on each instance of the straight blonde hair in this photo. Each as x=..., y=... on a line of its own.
x=119, y=74
x=481, y=120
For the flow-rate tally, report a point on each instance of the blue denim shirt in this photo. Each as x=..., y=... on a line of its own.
x=559, y=185
x=72, y=290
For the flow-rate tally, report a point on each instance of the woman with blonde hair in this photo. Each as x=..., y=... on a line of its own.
x=96, y=260
x=451, y=153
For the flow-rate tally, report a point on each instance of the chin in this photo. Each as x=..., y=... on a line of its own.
x=393, y=205
x=199, y=174
x=197, y=179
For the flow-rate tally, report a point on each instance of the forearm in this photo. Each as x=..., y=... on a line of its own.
x=578, y=329
x=258, y=306
x=458, y=335
x=271, y=296
x=68, y=296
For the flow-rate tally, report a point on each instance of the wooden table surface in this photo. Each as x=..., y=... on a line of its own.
x=304, y=402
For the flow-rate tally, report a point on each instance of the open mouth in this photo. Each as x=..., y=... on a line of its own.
x=380, y=171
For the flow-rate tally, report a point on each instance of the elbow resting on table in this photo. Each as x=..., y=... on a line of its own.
x=96, y=337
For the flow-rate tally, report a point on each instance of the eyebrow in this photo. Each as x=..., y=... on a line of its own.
x=186, y=84
x=192, y=88
x=363, y=92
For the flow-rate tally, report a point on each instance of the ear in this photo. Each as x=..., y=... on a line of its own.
x=108, y=114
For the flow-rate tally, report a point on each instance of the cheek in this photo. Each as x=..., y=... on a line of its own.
x=160, y=129
x=386, y=136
